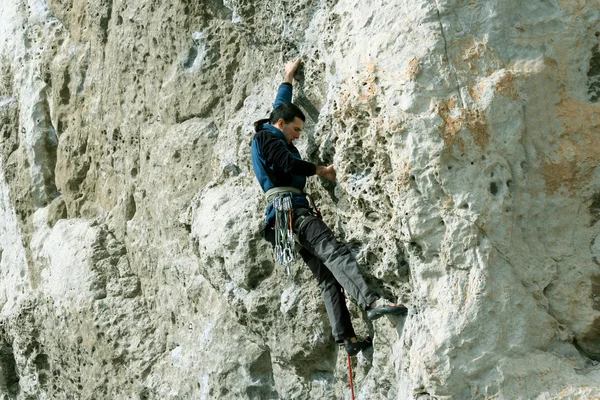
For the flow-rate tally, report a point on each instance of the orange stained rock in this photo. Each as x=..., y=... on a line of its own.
x=579, y=147
x=455, y=119
x=506, y=86
x=413, y=68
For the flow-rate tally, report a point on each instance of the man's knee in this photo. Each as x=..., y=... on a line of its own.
x=328, y=282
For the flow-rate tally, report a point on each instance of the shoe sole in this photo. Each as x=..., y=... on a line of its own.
x=379, y=312
x=365, y=345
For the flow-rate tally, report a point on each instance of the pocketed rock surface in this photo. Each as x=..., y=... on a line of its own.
x=465, y=139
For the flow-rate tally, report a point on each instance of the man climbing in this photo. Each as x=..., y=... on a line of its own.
x=282, y=173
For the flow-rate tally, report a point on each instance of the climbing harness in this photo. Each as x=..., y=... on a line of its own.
x=279, y=190
x=284, y=231
x=350, y=374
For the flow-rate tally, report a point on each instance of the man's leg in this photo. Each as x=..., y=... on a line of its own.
x=316, y=237
x=333, y=296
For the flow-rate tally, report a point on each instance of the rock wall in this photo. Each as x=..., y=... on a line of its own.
x=464, y=134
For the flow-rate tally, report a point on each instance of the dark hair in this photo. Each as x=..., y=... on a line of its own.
x=288, y=112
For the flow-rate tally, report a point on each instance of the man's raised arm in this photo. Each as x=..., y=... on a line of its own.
x=284, y=94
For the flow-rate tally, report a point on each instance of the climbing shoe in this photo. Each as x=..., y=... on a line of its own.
x=385, y=308
x=354, y=348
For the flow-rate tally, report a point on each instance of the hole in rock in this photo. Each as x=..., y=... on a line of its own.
x=493, y=188
x=594, y=76
x=8, y=368
x=595, y=208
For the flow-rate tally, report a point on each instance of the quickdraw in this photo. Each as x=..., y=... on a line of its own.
x=284, y=233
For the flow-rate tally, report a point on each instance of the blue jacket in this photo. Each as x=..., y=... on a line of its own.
x=277, y=163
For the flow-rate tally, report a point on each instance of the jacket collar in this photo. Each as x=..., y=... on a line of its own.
x=274, y=131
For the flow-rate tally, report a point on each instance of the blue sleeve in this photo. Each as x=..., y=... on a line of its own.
x=284, y=94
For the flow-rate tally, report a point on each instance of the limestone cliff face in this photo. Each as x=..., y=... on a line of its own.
x=465, y=137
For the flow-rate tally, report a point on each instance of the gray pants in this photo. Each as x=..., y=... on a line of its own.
x=336, y=269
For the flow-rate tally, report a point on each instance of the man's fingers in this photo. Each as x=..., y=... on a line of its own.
x=294, y=64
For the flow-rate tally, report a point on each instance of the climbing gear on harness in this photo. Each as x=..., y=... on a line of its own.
x=284, y=231
x=385, y=308
x=350, y=374
x=281, y=199
x=354, y=348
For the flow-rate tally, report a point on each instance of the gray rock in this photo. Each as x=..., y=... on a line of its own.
x=464, y=139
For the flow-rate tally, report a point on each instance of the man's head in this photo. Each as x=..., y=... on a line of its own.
x=288, y=118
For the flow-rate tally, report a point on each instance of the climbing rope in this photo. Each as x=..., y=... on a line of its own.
x=314, y=206
x=350, y=374
x=284, y=233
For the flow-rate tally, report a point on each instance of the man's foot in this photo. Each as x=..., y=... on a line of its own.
x=382, y=307
x=353, y=348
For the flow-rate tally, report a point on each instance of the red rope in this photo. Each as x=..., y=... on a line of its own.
x=350, y=373
x=314, y=206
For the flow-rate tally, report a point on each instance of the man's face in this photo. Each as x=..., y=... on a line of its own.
x=292, y=130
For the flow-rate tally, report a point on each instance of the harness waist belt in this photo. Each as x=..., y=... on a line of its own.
x=276, y=191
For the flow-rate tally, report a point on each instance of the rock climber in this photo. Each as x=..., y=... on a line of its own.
x=280, y=170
